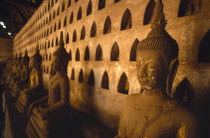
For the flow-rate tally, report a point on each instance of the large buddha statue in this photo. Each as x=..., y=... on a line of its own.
x=35, y=89
x=47, y=114
x=24, y=76
x=154, y=113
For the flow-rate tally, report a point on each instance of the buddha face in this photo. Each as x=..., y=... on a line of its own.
x=56, y=64
x=151, y=70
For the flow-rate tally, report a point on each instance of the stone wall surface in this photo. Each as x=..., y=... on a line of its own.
x=105, y=103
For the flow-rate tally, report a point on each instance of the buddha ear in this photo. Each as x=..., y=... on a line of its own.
x=170, y=77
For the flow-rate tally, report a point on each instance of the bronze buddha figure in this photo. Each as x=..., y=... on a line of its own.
x=24, y=76
x=17, y=69
x=35, y=87
x=48, y=112
x=154, y=113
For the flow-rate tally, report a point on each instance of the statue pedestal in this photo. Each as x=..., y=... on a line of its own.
x=15, y=123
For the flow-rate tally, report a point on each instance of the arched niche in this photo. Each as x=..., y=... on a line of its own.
x=79, y=14
x=70, y=55
x=149, y=11
x=101, y=4
x=67, y=38
x=48, y=43
x=64, y=21
x=77, y=56
x=63, y=6
x=87, y=54
x=204, y=49
x=107, y=25
x=59, y=24
x=126, y=22
x=115, y=1
x=72, y=74
x=91, y=79
x=89, y=8
x=93, y=30
x=55, y=27
x=56, y=41
x=58, y=12
x=52, y=44
x=99, y=54
x=69, y=3
x=81, y=78
x=123, y=84
x=71, y=18
x=133, y=50
x=189, y=7
x=74, y=36
x=82, y=36
x=115, y=52
x=105, y=81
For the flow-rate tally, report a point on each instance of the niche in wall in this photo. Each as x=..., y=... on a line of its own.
x=82, y=36
x=70, y=55
x=99, y=54
x=89, y=8
x=115, y=52
x=189, y=7
x=126, y=22
x=79, y=14
x=72, y=74
x=87, y=54
x=74, y=36
x=123, y=84
x=93, y=30
x=81, y=78
x=77, y=57
x=107, y=25
x=91, y=79
x=105, y=81
x=133, y=50
x=149, y=12
x=71, y=18
x=101, y=4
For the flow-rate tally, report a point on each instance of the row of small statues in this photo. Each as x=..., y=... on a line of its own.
x=152, y=113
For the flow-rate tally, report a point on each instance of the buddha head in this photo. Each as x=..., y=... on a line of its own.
x=60, y=57
x=36, y=59
x=157, y=61
x=26, y=59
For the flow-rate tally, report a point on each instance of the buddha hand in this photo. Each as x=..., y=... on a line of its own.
x=43, y=113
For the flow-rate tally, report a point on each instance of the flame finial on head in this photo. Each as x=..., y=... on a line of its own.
x=159, y=16
x=61, y=43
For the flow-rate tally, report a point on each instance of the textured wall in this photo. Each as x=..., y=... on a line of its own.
x=5, y=49
x=105, y=104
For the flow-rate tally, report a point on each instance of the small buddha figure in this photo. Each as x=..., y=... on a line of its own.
x=24, y=76
x=13, y=71
x=49, y=112
x=17, y=70
x=35, y=89
x=154, y=113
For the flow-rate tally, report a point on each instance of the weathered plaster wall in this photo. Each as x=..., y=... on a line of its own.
x=105, y=104
x=5, y=49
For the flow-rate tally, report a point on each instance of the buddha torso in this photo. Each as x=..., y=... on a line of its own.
x=153, y=116
x=25, y=73
x=34, y=78
x=55, y=89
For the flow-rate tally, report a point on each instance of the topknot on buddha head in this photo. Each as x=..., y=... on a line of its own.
x=158, y=38
x=61, y=57
x=26, y=58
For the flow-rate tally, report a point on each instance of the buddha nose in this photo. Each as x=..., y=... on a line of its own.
x=142, y=71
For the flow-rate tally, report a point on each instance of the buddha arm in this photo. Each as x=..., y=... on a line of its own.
x=44, y=99
x=64, y=87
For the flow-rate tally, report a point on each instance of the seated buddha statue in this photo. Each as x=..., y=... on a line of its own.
x=12, y=74
x=154, y=113
x=17, y=70
x=24, y=76
x=48, y=113
x=35, y=87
